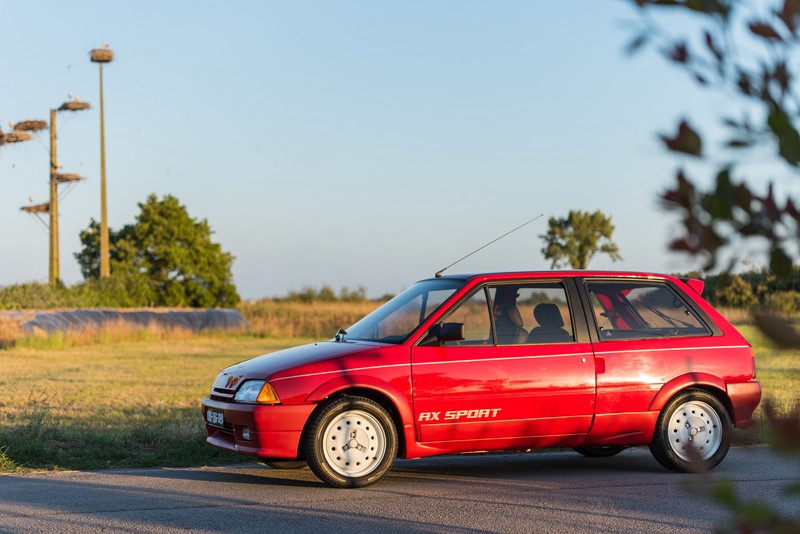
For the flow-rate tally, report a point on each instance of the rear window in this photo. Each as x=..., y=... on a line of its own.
x=636, y=310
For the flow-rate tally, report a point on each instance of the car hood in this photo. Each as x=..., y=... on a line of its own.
x=263, y=367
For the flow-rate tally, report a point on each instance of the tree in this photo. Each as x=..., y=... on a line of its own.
x=165, y=255
x=746, y=51
x=575, y=239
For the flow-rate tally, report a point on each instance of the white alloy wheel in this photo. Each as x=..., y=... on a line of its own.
x=355, y=443
x=693, y=432
x=697, y=425
x=350, y=441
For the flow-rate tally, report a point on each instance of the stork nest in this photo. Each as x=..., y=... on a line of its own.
x=37, y=208
x=14, y=137
x=101, y=55
x=68, y=177
x=30, y=126
x=74, y=105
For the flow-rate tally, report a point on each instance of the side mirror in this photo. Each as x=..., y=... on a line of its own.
x=452, y=332
x=444, y=332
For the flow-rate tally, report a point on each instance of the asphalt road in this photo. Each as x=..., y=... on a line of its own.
x=534, y=492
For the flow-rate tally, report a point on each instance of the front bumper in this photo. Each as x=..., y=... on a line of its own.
x=275, y=430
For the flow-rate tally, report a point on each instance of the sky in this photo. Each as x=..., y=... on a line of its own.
x=348, y=143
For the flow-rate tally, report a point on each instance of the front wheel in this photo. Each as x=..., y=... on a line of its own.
x=693, y=432
x=350, y=442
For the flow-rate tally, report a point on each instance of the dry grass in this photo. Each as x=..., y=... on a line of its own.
x=130, y=397
x=319, y=320
x=10, y=331
x=109, y=334
x=129, y=404
x=737, y=316
x=266, y=318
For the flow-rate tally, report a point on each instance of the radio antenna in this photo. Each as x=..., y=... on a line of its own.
x=439, y=273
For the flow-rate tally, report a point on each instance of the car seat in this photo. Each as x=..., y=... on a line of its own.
x=550, y=329
x=508, y=321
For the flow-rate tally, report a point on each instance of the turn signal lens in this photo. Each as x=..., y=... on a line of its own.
x=268, y=395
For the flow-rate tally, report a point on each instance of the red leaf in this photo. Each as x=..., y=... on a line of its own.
x=762, y=29
x=687, y=140
x=680, y=53
x=788, y=14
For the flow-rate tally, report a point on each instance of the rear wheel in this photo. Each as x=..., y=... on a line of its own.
x=600, y=451
x=693, y=432
x=350, y=442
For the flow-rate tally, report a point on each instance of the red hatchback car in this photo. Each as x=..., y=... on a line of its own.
x=596, y=361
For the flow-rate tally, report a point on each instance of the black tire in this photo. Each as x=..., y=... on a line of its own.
x=350, y=442
x=600, y=451
x=693, y=432
x=286, y=464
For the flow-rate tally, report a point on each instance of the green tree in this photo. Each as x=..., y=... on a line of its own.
x=575, y=239
x=166, y=256
x=746, y=52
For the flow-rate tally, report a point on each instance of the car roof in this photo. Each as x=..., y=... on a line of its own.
x=503, y=275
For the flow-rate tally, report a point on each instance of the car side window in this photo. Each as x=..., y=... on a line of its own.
x=531, y=313
x=474, y=314
x=636, y=310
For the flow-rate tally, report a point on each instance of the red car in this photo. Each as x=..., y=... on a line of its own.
x=596, y=361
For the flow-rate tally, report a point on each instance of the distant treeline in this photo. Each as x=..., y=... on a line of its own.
x=742, y=290
x=113, y=293
x=327, y=294
x=752, y=288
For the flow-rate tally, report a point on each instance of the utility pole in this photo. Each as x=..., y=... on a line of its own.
x=56, y=178
x=54, y=274
x=100, y=56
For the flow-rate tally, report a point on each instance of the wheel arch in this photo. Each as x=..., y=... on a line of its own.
x=702, y=381
x=392, y=400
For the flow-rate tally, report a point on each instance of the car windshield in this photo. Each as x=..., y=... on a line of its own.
x=397, y=319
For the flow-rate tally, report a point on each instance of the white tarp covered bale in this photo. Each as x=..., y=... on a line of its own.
x=194, y=320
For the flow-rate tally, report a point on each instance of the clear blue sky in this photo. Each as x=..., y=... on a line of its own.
x=345, y=142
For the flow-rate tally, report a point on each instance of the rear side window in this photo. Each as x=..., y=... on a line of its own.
x=636, y=310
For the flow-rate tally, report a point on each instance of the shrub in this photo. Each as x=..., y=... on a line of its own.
x=732, y=290
x=32, y=295
x=783, y=301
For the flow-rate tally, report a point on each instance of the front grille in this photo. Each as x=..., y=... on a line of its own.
x=227, y=428
x=222, y=394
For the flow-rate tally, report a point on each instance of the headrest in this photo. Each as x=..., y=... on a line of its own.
x=513, y=315
x=547, y=314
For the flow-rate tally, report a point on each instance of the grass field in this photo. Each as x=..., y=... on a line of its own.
x=136, y=403
x=129, y=404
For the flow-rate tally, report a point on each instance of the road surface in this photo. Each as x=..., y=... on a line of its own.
x=535, y=492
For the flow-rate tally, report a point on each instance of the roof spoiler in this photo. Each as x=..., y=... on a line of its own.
x=695, y=284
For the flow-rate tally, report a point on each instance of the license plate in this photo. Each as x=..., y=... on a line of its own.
x=215, y=417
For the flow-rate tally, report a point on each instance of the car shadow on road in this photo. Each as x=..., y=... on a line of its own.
x=245, y=474
x=536, y=464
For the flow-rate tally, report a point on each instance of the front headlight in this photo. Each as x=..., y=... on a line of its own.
x=257, y=392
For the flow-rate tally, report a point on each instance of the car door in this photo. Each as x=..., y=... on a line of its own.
x=513, y=381
x=646, y=333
